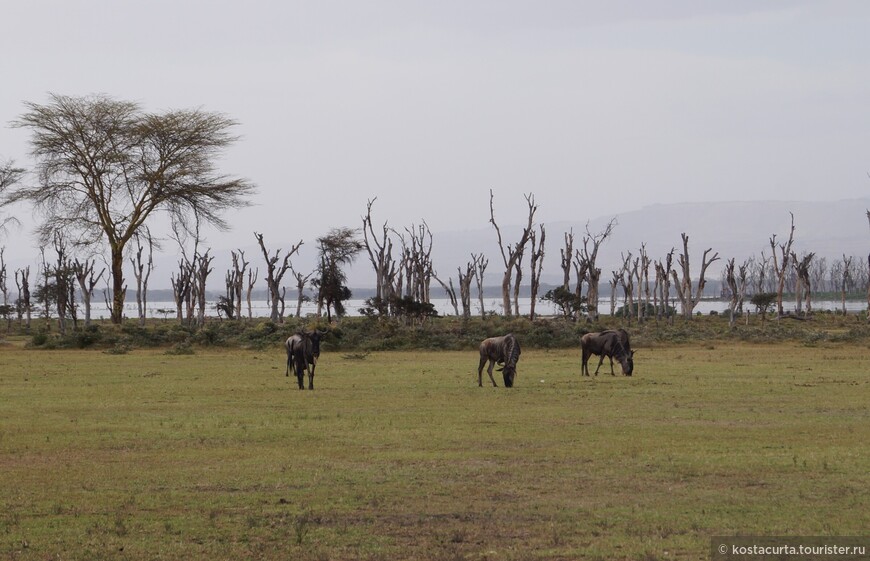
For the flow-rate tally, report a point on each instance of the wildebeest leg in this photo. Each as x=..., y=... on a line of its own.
x=611, y=365
x=483, y=360
x=489, y=371
x=300, y=373
x=289, y=358
x=584, y=363
x=600, y=362
x=311, y=377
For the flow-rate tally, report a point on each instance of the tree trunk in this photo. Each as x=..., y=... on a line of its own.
x=119, y=290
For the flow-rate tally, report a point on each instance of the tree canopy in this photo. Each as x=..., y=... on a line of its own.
x=104, y=167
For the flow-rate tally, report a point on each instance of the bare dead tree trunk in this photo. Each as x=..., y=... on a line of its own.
x=518, y=277
x=24, y=306
x=380, y=253
x=480, y=265
x=567, y=256
x=781, y=265
x=203, y=270
x=182, y=283
x=614, y=284
x=803, y=287
x=4, y=289
x=465, y=280
x=845, y=279
x=511, y=253
x=663, y=281
x=301, y=281
x=417, y=262
x=537, y=268
x=684, y=286
x=142, y=271
x=626, y=279
x=588, y=257
x=274, y=274
x=450, y=291
x=642, y=284
x=84, y=273
x=240, y=266
x=252, y=280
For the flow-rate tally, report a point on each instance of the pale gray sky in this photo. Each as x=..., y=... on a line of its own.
x=596, y=107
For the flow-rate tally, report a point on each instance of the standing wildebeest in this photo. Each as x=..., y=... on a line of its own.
x=303, y=349
x=502, y=350
x=608, y=344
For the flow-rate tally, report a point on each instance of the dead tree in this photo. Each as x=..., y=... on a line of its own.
x=4, y=289
x=688, y=300
x=614, y=284
x=23, y=306
x=301, y=281
x=588, y=257
x=567, y=254
x=626, y=280
x=511, y=253
x=142, y=271
x=84, y=274
x=465, y=280
x=868, y=284
x=252, y=281
x=416, y=262
x=480, y=265
x=380, y=251
x=844, y=279
x=449, y=290
x=803, y=287
x=537, y=266
x=181, y=281
x=642, y=276
x=518, y=278
x=240, y=266
x=781, y=263
x=737, y=287
x=662, y=289
x=201, y=273
x=274, y=274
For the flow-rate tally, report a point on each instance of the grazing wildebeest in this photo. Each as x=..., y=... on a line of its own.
x=502, y=350
x=303, y=350
x=608, y=344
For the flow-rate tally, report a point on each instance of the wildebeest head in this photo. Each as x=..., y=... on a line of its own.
x=315, y=338
x=627, y=362
x=509, y=372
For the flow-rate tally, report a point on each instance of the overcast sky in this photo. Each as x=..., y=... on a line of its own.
x=595, y=107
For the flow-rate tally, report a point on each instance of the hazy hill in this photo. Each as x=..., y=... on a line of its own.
x=733, y=229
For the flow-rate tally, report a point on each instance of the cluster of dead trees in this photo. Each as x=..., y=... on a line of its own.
x=404, y=271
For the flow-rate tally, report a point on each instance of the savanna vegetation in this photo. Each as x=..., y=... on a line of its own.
x=146, y=451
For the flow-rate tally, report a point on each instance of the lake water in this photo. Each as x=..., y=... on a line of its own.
x=261, y=309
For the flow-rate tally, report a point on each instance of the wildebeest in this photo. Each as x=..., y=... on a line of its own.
x=502, y=350
x=303, y=350
x=611, y=344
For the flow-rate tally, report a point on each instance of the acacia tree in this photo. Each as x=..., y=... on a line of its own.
x=9, y=176
x=105, y=167
x=337, y=249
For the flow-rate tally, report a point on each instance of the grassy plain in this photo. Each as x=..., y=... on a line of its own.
x=401, y=456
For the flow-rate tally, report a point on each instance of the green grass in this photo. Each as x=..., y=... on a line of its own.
x=399, y=455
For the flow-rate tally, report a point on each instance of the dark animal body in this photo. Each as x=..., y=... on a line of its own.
x=502, y=350
x=303, y=350
x=611, y=344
